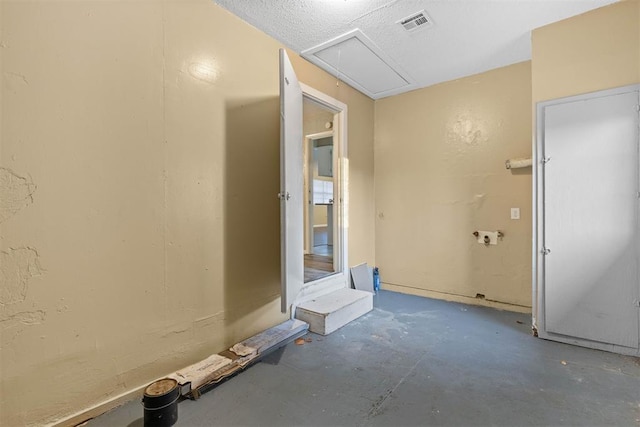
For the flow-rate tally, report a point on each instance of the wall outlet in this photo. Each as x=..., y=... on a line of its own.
x=515, y=213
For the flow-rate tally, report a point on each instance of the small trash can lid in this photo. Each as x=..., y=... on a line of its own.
x=160, y=387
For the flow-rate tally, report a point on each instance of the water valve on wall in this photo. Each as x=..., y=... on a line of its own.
x=488, y=237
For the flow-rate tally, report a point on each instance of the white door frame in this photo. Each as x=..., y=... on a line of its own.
x=538, y=273
x=340, y=279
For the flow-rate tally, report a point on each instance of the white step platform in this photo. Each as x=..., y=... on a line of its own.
x=329, y=312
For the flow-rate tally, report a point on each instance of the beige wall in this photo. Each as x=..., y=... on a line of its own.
x=440, y=175
x=320, y=215
x=314, y=118
x=594, y=51
x=129, y=178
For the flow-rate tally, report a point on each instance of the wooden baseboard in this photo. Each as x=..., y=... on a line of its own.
x=455, y=298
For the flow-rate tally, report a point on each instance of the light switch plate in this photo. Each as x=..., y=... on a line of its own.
x=515, y=213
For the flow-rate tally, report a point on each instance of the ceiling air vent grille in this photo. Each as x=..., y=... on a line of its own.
x=415, y=21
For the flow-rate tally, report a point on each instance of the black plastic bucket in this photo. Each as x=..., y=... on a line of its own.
x=160, y=403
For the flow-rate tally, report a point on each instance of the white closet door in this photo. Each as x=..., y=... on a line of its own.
x=591, y=219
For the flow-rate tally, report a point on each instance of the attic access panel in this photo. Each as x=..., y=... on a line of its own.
x=355, y=59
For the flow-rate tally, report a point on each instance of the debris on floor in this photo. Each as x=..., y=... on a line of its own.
x=198, y=374
x=429, y=370
x=362, y=277
x=243, y=350
x=302, y=341
x=198, y=378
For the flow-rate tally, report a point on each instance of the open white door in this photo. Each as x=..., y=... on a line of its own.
x=291, y=184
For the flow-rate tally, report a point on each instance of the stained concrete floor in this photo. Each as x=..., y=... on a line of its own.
x=418, y=361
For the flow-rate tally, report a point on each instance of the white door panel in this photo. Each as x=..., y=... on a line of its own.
x=591, y=219
x=291, y=183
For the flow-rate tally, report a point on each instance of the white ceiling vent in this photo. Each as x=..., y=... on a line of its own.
x=355, y=59
x=415, y=21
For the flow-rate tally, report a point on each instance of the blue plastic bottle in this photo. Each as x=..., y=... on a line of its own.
x=376, y=280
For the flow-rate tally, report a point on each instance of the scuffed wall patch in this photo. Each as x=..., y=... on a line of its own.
x=16, y=193
x=17, y=267
x=16, y=77
x=34, y=317
x=466, y=132
x=13, y=325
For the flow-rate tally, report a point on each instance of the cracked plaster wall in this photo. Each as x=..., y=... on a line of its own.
x=16, y=193
x=17, y=268
x=128, y=261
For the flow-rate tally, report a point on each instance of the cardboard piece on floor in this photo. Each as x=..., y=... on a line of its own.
x=201, y=373
x=243, y=350
x=362, y=279
x=199, y=377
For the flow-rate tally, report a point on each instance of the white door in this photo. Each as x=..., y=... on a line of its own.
x=291, y=184
x=591, y=219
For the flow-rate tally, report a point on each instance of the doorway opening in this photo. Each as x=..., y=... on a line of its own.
x=295, y=201
x=324, y=193
x=319, y=194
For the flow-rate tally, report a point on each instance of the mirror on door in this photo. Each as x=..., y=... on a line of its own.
x=319, y=191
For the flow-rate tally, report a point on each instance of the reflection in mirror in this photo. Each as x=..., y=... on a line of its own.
x=319, y=192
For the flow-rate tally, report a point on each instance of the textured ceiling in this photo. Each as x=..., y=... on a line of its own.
x=467, y=36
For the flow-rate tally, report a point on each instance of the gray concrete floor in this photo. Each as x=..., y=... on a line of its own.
x=417, y=361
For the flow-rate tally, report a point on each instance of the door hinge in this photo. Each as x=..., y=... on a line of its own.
x=545, y=160
x=638, y=108
x=636, y=303
x=284, y=196
x=545, y=251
